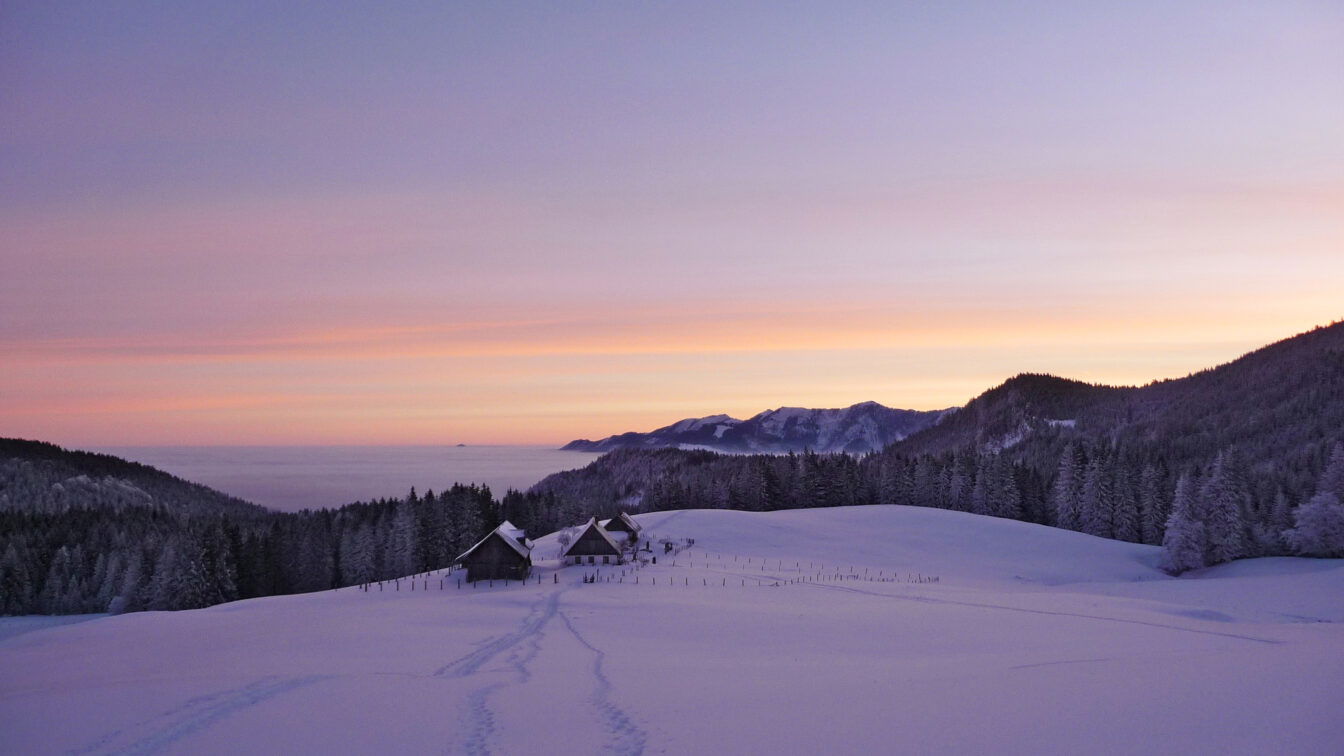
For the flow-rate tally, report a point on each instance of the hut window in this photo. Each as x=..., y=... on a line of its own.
x=606, y=560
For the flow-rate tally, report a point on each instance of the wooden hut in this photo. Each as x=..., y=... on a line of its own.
x=623, y=523
x=593, y=546
x=504, y=554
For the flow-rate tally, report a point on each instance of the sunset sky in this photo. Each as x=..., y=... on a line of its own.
x=366, y=223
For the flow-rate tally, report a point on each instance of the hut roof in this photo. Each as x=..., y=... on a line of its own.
x=509, y=534
x=629, y=522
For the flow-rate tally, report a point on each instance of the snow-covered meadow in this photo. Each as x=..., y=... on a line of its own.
x=849, y=630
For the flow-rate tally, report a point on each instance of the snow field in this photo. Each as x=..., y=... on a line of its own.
x=1033, y=640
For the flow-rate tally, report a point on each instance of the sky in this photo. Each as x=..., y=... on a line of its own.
x=365, y=223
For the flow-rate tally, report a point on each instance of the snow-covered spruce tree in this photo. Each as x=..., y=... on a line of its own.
x=1153, y=505
x=1184, y=543
x=960, y=483
x=1004, y=498
x=1269, y=531
x=1332, y=478
x=467, y=519
x=52, y=599
x=16, y=585
x=1097, y=499
x=1125, y=524
x=130, y=595
x=888, y=483
x=1223, y=498
x=401, y=545
x=1319, y=530
x=1067, y=490
x=982, y=490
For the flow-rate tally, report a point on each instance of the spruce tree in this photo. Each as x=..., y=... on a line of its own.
x=1223, y=498
x=1125, y=520
x=1184, y=542
x=52, y=599
x=982, y=491
x=1097, y=499
x=16, y=584
x=1319, y=529
x=1066, y=492
x=1004, y=498
x=1332, y=478
x=1153, y=505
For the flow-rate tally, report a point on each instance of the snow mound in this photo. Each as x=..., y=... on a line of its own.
x=932, y=541
x=849, y=630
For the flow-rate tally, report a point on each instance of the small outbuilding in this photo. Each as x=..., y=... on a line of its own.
x=504, y=554
x=593, y=546
x=623, y=523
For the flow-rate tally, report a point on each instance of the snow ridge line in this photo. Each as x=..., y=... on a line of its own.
x=200, y=713
x=928, y=600
x=668, y=519
x=628, y=739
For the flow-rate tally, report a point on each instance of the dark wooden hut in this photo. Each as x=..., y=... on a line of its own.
x=593, y=546
x=504, y=554
x=623, y=523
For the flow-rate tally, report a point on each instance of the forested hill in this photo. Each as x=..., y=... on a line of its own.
x=82, y=532
x=1252, y=437
x=1246, y=459
x=1277, y=407
x=39, y=477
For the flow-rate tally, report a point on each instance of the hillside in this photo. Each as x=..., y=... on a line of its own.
x=38, y=477
x=82, y=532
x=863, y=427
x=774, y=633
x=1275, y=405
x=1253, y=436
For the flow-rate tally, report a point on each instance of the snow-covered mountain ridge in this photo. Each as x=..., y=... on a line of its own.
x=863, y=427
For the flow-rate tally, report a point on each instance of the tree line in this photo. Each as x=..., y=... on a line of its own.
x=113, y=548
x=97, y=557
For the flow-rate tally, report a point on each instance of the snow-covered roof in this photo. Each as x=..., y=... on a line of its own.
x=629, y=522
x=592, y=523
x=509, y=534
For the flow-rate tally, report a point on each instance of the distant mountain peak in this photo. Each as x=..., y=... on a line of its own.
x=863, y=427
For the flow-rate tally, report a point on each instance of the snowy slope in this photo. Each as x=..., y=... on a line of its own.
x=765, y=637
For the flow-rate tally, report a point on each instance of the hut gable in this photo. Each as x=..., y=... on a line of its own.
x=504, y=554
x=623, y=523
x=593, y=546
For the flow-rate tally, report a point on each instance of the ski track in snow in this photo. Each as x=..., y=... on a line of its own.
x=1061, y=661
x=627, y=737
x=197, y=714
x=929, y=600
x=784, y=579
x=478, y=720
x=667, y=519
x=540, y=613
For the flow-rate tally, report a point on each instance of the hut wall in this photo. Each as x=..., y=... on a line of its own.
x=592, y=544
